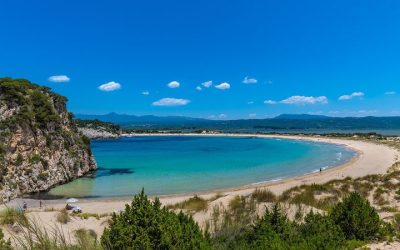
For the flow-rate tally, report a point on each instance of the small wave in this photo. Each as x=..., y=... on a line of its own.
x=339, y=156
x=264, y=182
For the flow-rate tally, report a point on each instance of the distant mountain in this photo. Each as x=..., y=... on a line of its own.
x=301, y=117
x=123, y=119
x=279, y=123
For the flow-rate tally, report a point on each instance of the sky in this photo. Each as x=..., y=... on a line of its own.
x=219, y=59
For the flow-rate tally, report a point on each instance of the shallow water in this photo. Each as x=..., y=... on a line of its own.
x=181, y=164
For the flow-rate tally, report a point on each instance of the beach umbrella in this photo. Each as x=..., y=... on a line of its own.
x=72, y=200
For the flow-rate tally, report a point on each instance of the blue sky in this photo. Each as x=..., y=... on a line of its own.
x=338, y=58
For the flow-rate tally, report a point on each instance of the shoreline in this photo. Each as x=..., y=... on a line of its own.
x=370, y=158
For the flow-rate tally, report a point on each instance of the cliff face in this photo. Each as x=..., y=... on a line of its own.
x=40, y=146
x=95, y=129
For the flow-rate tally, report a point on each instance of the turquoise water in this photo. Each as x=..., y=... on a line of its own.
x=180, y=164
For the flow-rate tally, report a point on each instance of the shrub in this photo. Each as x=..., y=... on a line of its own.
x=319, y=232
x=193, y=204
x=63, y=217
x=263, y=195
x=4, y=245
x=145, y=225
x=356, y=217
x=10, y=216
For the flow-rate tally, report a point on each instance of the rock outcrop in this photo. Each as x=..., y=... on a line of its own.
x=40, y=145
x=95, y=129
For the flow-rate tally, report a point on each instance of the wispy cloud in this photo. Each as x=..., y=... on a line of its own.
x=169, y=102
x=270, y=102
x=59, y=78
x=390, y=93
x=222, y=116
x=110, y=86
x=145, y=92
x=223, y=86
x=173, y=84
x=300, y=100
x=198, y=88
x=248, y=80
x=250, y=102
x=207, y=84
x=252, y=115
x=351, y=96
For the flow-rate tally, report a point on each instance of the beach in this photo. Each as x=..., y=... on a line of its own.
x=371, y=159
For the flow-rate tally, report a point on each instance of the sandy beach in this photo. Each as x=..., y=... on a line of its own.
x=371, y=159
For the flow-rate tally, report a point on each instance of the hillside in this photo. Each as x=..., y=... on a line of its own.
x=40, y=146
x=95, y=129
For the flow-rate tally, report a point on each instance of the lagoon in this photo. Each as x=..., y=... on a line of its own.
x=165, y=165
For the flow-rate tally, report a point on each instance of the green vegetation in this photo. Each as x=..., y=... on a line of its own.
x=145, y=225
x=9, y=216
x=35, y=102
x=263, y=195
x=4, y=244
x=98, y=125
x=348, y=225
x=193, y=204
x=63, y=217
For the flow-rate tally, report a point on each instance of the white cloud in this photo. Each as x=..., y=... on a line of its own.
x=169, y=102
x=173, y=84
x=390, y=93
x=223, y=86
x=302, y=100
x=198, y=88
x=270, y=102
x=145, y=92
x=207, y=84
x=59, y=78
x=110, y=86
x=248, y=80
x=351, y=96
x=222, y=116
x=252, y=115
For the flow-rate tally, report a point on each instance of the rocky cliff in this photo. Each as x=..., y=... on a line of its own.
x=95, y=129
x=40, y=145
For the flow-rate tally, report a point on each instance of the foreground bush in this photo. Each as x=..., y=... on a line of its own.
x=357, y=218
x=145, y=225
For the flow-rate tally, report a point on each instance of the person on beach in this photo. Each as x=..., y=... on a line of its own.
x=40, y=204
x=320, y=170
x=24, y=206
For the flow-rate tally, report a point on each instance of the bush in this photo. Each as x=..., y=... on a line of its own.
x=145, y=225
x=10, y=216
x=356, y=217
x=4, y=245
x=319, y=232
x=194, y=204
x=63, y=217
x=262, y=195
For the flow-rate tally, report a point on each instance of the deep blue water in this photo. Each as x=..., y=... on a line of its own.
x=180, y=164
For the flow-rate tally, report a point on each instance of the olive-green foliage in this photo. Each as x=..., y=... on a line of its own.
x=10, y=216
x=275, y=231
x=194, y=204
x=63, y=217
x=357, y=218
x=146, y=225
x=263, y=195
x=4, y=244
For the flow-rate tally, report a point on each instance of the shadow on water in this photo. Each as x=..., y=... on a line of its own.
x=101, y=172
